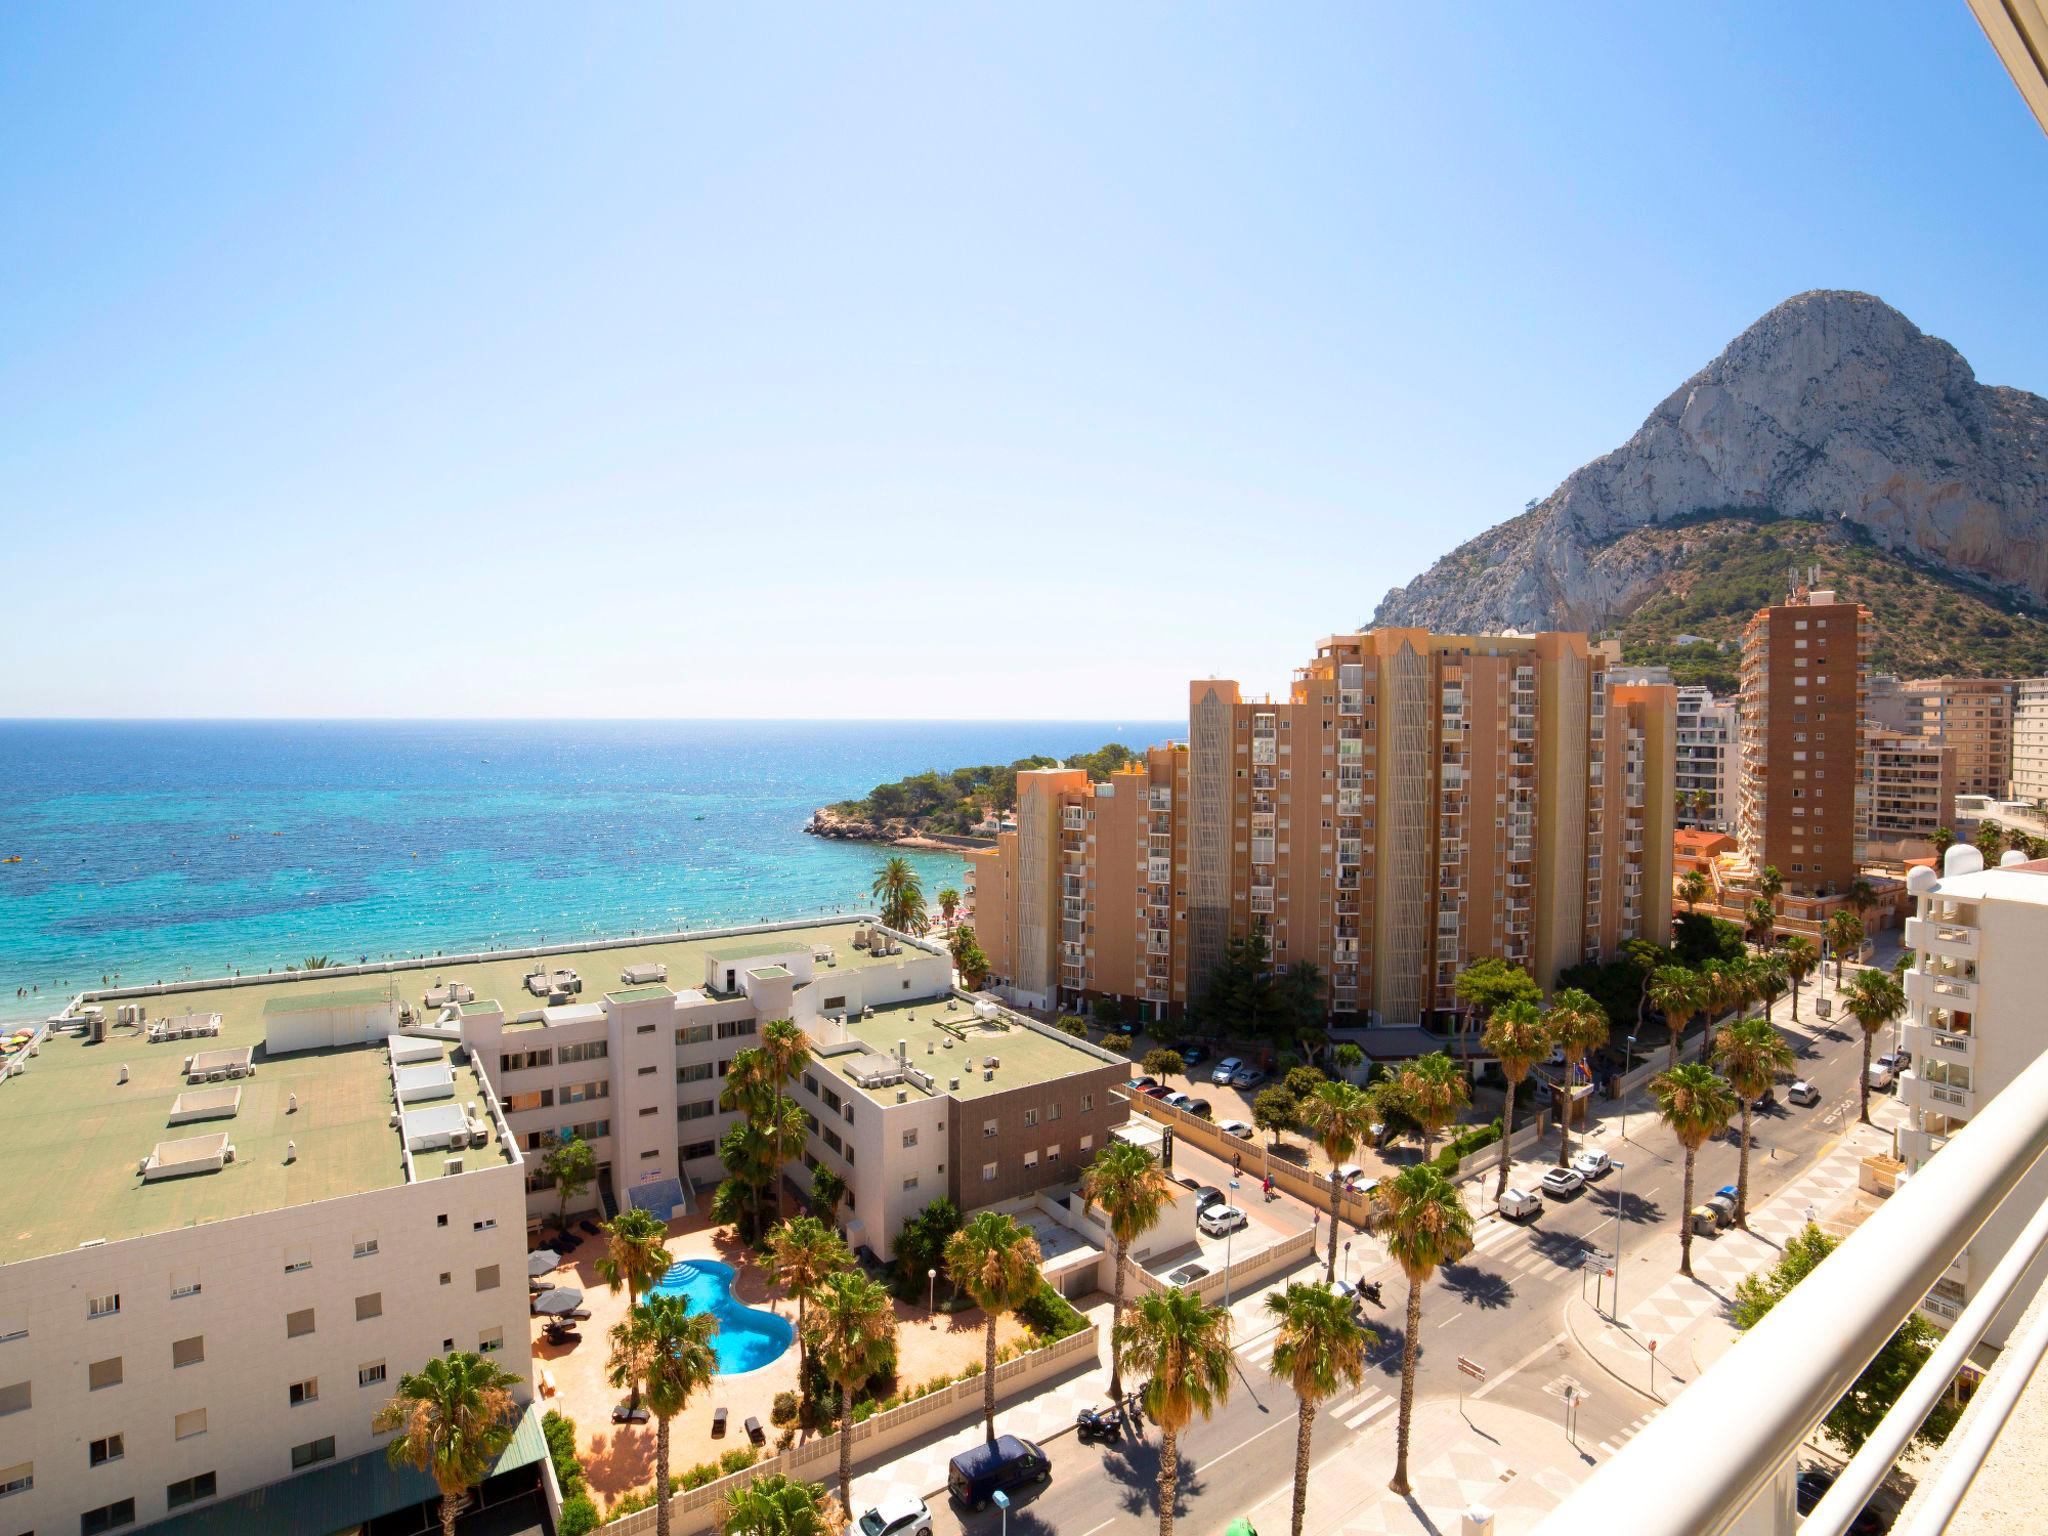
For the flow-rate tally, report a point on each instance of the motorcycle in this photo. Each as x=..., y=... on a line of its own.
x=1371, y=1292
x=1094, y=1424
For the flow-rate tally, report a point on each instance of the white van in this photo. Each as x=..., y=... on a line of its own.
x=1521, y=1204
x=1880, y=1076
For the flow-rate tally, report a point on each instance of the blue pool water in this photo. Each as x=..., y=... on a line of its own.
x=747, y=1337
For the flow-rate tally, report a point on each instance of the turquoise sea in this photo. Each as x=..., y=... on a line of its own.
x=158, y=850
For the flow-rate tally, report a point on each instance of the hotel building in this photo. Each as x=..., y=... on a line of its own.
x=1909, y=794
x=1705, y=764
x=1805, y=665
x=2030, y=742
x=1973, y=715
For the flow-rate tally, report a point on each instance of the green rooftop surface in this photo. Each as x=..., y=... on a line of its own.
x=1026, y=1056
x=294, y=998
x=639, y=994
x=768, y=972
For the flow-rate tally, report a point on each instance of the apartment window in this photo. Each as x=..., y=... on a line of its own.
x=183, y=1285
x=103, y=1306
x=105, y=1450
x=441, y=1220
x=693, y=1034
x=189, y=1490
x=17, y=1479
x=370, y=1375
x=103, y=1373
x=299, y=1324
x=489, y=1223
x=307, y=1391
x=1087, y=1143
x=365, y=1247
x=989, y=1130
x=1030, y=1160
x=651, y=1109
x=644, y=1029
x=650, y=1154
x=190, y=1351
x=646, y=1072
x=1052, y=1111
x=490, y=1341
x=367, y=1307
x=910, y=1138
x=1087, y=1103
x=14, y=1398
x=190, y=1423
x=733, y=1029
x=296, y=1263
x=594, y=1050
x=487, y=1277
x=313, y=1452
x=696, y=1072
x=911, y=1182
x=702, y=1109
x=810, y=1085
x=108, y=1517
x=1052, y=1153
x=1030, y=1118
x=988, y=1173
x=447, y=1278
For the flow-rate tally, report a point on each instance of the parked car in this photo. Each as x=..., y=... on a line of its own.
x=905, y=1516
x=1225, y=1070
x=1156, y=1091
x=1247, y=1077
x=1592, y=1164
x=1563, y=1183
x=1142, y=1084
x=1803, y=1092
x=1376, y=1134
x=1201, y=1109
x=1814, y=1482
x=1187, y=1274
x=1178, y=1101
x=1241, y=1129
x=1219, y=1219
x=1898, y=1061
x=1521, y=1204
x=1349, y=1174
x=977, y=1473
x=1195, y=1054
x=1186, y=1181
x=1207, y=1195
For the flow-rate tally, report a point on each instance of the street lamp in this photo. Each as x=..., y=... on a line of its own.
x=1614, y=1304
x=931, y=1296
x=1627, y=1066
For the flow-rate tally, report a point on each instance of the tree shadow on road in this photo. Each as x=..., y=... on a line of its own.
x=1132, y=1467
x=1477, y=1287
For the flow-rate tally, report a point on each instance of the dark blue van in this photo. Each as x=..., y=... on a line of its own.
x=1005, y=1463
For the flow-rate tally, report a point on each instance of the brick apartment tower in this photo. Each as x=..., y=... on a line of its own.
x=1805, y=680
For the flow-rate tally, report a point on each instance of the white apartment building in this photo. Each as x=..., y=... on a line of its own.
x=1974, y=1023
x=2030, y=742
x=229, y=1235
x=1705, y=760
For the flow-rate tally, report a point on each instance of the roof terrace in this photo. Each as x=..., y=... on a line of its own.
x=946, y=1040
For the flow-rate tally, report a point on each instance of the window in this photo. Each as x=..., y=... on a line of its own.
x=447, y=1278
x=1087, y=1143
x=696, y=1072
x=441, y=1220
x=698, y=1149
x=910, y=1138
x=1030, y=1118
x=643, y=1029
x=103, y=1373
x=490, y=1341
x=14, y=1398
x=594, y=1050
x=299, y=1324
x=702, y=1109
x=188, y=1351
x=17, y=1479
x=1052, y=1111
x=911, y=1182
x=104, y=1306
x=988, y=1173
x=1030, y=1160
x=307, y=1391
x=370, y=1375
x=651, y=1152
x=367, y=1307
x=105, y=1450
x=651, y=1109
x=295, y=1263
x=1052, y=1153
x=988, y=1130
x=108, y=1517
x=733, y=1029
x=365, y=1247
x=183, y=1285
x=646, y=1072
x=313, y=1451
x=188, y=1424
x=189, y=1490
x=1087, y=1103
x=487, y=1277
x=489, y=1223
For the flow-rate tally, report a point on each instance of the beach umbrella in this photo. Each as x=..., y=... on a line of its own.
x=558, y=1303
x=540, y=1261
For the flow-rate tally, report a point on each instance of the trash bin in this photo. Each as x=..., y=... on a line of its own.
x=1614, y=1086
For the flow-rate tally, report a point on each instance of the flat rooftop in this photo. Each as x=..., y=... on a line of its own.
x=955, y=1043
x=75, y=1133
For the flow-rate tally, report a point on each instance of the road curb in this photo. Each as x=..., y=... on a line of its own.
x=1571, y=1326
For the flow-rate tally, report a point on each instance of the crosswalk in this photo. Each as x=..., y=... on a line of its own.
x=1505, y=1247
x=1353, y=1412
x=1625, y=1434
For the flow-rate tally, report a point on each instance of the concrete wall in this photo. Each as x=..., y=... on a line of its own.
x=326, y=1028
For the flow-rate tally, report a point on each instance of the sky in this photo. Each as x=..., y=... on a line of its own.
x=891, y=361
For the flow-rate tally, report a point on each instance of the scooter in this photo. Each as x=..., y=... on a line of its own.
x=1371, y=1292
x=1094, y=1424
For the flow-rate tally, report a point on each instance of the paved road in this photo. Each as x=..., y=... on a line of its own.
x=1502, y=1307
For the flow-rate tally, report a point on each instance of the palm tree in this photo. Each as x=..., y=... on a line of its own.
x=1337, y=1115
x=784, y=1049
x=801, y=1253
x=1681, y=996
x=1874, y=999
x=1750, y=1053
x=1943, y=840
x=1576, y=1025
x=1692, y=889
x=1800, y=958
x=1762, y=918
x=1183, y=1350
x=995, y=1261
x=635, y=1257
x=777, y=1505
x=1132, y=1189
x=673, y=1350
x=901, y=893
x=828, y=1193
x=1845, y=937
x=853, y=1335
x=1321, y=1349
x=1862, y=896
x=949, y=901
x=1770, y=974
x=1990, y=841
x=1770, y=882
x=454, y=1415
x=1516, y=1037
x=1695, y=1104
x=1426, y=1226
x=1435, y=1088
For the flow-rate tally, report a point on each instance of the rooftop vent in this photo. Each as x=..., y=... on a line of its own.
x=988, y=1077
x=902, y=1095
x=124, y=1073
x=453, y=1165
x=954, y=1084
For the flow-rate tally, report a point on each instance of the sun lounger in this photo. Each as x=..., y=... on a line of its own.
x=546, y=1378
x=718, y=1424
x=590, y=1228
x=624, y=1415
x=755, y=1432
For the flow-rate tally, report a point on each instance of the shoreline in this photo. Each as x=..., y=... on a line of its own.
x=829, y=825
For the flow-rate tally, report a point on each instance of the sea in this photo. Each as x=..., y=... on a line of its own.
x=141, y=851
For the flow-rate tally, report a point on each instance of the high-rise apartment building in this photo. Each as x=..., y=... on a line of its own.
x=1909, y=785
x=1805, y=666
x=1974, y=715
x=1705, y=764
x=2030, y=742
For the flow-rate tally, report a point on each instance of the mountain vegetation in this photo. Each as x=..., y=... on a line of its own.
x=953, y=802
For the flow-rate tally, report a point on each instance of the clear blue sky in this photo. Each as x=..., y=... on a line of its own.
x=869, y=361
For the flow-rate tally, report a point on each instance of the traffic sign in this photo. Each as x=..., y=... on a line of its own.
x=1472, y=1368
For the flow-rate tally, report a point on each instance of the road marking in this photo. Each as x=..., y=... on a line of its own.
x=1102, y=1527
x=1527, y=1360
x=1380, y=1410
x=1369, y=1395
x=1449, y=1320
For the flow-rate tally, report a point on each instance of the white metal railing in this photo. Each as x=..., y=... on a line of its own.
x=1722, y=1456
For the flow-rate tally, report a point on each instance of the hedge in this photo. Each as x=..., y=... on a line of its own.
x=1462, y=1146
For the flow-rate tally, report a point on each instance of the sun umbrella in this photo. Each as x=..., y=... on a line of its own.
x=558, y=1303
x=540, y=1261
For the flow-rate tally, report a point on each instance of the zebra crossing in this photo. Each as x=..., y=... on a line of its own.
x=1625, y=1434
x=1505, y=1247
x=1354, y=1412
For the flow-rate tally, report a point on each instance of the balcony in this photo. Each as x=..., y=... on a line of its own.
x=1929, y=989
x=1931, y=936
x=1073, y=819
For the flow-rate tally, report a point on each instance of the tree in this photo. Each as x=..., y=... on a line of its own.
x=1275, y=1110
x=1800, y=959
x=1434, y=1089
x=1695, y=1104
x=1770, y=882
x=921, y=1245
x=1161, y=1063
x=828, y=1193
x=1943, y=840
x=1750, y=1053
x=1853, y=1418
x=801, y=1254
x=1346, y=1057
x=949, y=901
x=1770, y=975
x=1762, y=920
x=968, y=958
x=1073, y=1025
x=570, y=1165
x=1490, y=983
x=453, y=1416
x=672, y=1353
x=1302, y=998
x=1321, y=1350
x=995, y=1261
x=1845, y=938
x=1516, y=1037
x=1109, y=1013
x=1990, y=841
x=1645, y=957
x=776, y=1505
x=1182, y=1349
x=1132, y=1189
x=1338, y=1116
x=1681, y=996
x=1426, y=1226
x=853, y=1335
x=901, y=893
x=1863, y=897
x=1874, y=999
x=1117, y=1042
x=635, y=1257
x=1692, y=889
x=1576, y=1025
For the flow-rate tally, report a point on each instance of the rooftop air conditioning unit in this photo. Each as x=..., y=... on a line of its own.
x=902, y=1095
x=453, y=1165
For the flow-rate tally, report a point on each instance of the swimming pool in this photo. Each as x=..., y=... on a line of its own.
x=747, y=1337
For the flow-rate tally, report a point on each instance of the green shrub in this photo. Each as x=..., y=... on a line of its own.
x=784, y=1411
x=1046, y=1313
x=737, y=1459
x=699, y=1475
x=561, y=1438
x=1117, y=1042
x=1460, y=1147
x=579, y=1516
x=1070, y=1025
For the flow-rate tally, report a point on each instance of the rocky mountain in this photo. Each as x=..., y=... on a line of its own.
x=1833, y=408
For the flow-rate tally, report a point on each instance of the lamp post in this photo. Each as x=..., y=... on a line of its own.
x=931, y=1296
x=1620, y=1180
x=1628, y=1065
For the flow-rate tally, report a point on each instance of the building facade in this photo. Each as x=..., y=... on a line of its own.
x=1805, y=665
x=1974, y=716
x=1705, y=764
x=2030, y=742
x=1909, y=794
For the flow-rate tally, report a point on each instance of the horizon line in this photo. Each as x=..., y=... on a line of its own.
x=568, y=719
